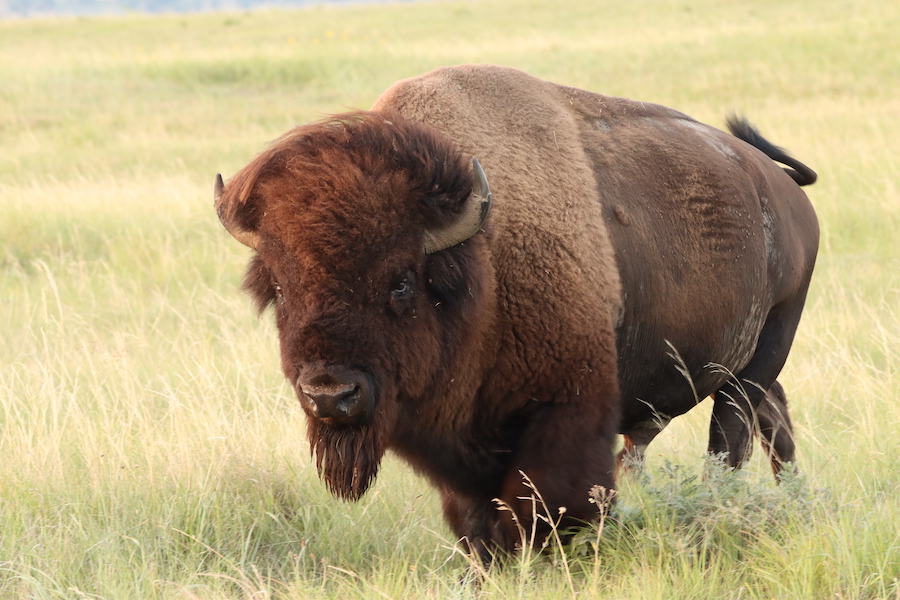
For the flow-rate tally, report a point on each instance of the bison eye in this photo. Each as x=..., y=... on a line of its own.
x=402, y=292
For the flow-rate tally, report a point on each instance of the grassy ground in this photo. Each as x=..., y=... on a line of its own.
x=150, y=446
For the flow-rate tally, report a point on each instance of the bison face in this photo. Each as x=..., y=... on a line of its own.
x=363, y=236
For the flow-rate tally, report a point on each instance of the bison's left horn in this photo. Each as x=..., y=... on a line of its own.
x=248, y=238
x=475, y=211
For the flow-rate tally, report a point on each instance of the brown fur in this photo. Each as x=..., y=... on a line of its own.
x=622, y=235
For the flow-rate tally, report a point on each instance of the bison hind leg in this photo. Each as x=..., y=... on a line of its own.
x=737, y=404
x=776, y=433
x=635, y=441
x=734, y=418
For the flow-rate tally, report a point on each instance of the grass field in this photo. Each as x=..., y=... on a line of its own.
x=150, y=447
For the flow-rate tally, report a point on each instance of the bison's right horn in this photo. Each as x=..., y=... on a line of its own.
x=475, y=211
x=248, y=238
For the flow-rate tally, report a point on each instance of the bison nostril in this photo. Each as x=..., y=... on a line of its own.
x=349, y=404
x=308, y=402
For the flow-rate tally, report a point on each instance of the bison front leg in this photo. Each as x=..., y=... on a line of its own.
x=564, y=451
x=473, y=518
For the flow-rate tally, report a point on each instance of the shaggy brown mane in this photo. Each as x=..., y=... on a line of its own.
x=340, y=149
x=375, y=143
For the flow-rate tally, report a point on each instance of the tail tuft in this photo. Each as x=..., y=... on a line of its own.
x=744, y=130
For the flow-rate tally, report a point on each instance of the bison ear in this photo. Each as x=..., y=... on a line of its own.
x=229, y=210
x=471, y=217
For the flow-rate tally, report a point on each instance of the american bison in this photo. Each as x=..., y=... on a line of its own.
x=612, y=264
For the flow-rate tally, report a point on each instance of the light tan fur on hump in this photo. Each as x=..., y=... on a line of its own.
x=547, y=216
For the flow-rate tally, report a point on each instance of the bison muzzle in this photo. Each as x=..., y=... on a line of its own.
x=613, y=264
x=336, y=394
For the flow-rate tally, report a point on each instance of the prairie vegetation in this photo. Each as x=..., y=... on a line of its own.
x=150, y=446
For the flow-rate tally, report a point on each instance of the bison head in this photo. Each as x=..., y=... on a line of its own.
x=362, y=227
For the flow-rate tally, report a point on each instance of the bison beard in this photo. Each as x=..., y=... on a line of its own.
x=347, y=457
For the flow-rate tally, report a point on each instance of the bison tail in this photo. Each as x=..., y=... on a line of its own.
x=743, y=129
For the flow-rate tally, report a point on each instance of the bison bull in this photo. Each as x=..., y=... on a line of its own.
x=624, y=262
